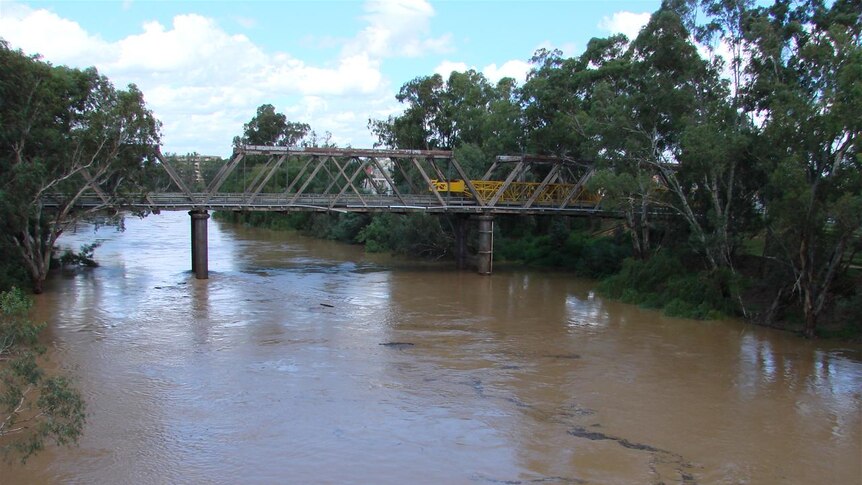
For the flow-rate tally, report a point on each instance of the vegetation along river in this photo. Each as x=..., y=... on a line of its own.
x=305, y=361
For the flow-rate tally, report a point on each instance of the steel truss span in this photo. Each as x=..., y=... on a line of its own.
x=265, y=178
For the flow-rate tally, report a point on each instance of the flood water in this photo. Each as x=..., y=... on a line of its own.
x=305, y=361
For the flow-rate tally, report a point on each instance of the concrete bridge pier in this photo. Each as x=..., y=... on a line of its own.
x=461, y=231
x=200, y=257
x=485, y=260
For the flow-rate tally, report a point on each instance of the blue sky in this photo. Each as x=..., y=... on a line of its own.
x=204, y=67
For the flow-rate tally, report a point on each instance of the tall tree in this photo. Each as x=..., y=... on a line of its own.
x=271, y=128
x=443, y=114
x=464, y=113
x=63, y=133
x=806, y=85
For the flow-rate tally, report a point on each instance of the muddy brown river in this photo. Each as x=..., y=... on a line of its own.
x=305, y=361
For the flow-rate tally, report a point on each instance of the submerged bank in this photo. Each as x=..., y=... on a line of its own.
x=673, y=280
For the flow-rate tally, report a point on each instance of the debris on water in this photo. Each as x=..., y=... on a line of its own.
x=580, y=432
x=327, y=305
x=396, y=344
x=564, y=356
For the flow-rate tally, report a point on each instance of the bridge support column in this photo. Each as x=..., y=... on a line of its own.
x=200, y=258
x=461, y=230
x=485, y=258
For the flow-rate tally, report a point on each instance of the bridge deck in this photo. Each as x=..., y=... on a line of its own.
x=281, y=202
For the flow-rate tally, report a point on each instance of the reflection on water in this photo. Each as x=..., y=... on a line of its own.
x=307, y=361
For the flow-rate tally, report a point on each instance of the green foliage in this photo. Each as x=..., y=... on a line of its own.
x=806, y=83
x=84, y=257
x=847, y=324
x=411, y=234
x=12, y=272
x=562, y=248
x=271, y=128
x=664, y=282
x=377, y=236
x=35, y=408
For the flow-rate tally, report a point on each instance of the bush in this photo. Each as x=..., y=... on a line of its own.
x=412, y=234
x=664, y=282
x=377, y=235
x=34, y=407
x=84, y=257
x=574, y=250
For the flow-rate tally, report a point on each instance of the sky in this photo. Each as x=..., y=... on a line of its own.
x=205, y=67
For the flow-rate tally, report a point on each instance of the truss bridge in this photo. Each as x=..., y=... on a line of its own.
x=285, y=179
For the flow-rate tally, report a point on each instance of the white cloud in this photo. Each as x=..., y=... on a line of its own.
x=398, y=28
x=57, y=39
x=446, y=68
x=628, y=23
x=515, y=69
x=204, y=82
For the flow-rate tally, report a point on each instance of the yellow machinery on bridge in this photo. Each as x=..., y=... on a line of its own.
x=517, y=191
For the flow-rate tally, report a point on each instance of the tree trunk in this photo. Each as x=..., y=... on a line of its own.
x=774, y=308
x=637, y=248
x=38, y=285
x=810, y=315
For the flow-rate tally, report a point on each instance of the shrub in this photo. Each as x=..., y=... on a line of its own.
x=34, y=407
x=664, y=282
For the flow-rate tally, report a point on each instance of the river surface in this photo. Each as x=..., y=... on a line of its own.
x=305, y=361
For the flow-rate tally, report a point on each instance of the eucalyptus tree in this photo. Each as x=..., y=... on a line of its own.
x=271, y=128
x=464, y=112
x=806, y=87
x=65, y=132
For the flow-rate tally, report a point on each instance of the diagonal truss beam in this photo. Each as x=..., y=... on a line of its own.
x=350, y=184
x=336, y=178
x=222, y=175
x=175, y=177
x=552, y=175
x=343, y=174
x=511, y=178
x=299, y=175
x=320, y=162
x=404, y=174
x=386, y=176
x=578, y=187
x=490, y=170
x=428, y=181
x=468, y=182
x=269, y=175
